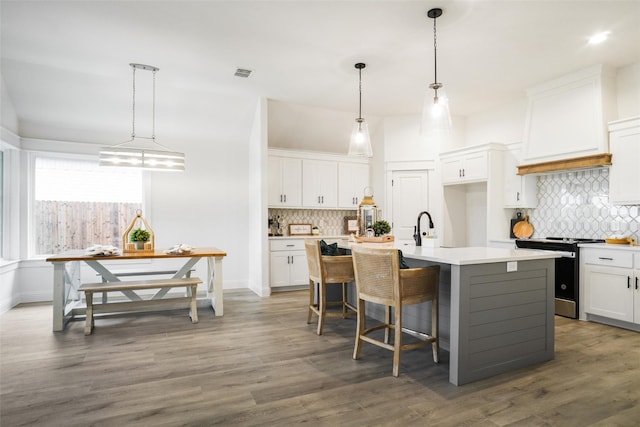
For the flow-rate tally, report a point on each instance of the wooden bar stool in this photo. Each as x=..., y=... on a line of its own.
x=380, y=280
x=325, y=270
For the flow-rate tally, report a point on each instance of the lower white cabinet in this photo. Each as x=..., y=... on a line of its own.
x=287, y=263
x=611, y=282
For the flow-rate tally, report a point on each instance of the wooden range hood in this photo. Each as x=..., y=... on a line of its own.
x=596, y=160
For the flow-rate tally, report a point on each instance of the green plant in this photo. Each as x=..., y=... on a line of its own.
x=139, y=235
x=381, y=227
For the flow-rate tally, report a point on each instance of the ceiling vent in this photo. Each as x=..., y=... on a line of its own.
x=242, y=72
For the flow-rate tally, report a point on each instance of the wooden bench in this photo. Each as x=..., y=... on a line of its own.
x=131, y=273
x=128, y=288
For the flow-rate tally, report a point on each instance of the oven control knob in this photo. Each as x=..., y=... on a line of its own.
x=563, y=287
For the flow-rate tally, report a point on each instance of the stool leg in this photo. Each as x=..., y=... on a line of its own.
x=387, y=319
x=434, y=330
x=312, y=292
x=344, y=300
x=322, y=305
x=360, y=326
x=397, y=341
x=89, y=313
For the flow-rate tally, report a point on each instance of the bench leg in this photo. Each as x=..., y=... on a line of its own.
x=89, y=313
x=194, y=306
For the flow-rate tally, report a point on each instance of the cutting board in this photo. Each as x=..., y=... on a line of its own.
x=523, y=229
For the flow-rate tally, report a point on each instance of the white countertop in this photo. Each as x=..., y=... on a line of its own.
x=314, y=236
x=460, y=256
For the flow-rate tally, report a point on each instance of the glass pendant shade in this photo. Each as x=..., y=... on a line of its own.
x=436, y=117
x=360, y=143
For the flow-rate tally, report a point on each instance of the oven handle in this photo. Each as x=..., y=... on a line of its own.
x=566, y=254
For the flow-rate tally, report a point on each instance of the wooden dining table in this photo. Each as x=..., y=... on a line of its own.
x=67, y=301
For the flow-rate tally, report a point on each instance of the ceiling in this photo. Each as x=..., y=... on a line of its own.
x=65, y=63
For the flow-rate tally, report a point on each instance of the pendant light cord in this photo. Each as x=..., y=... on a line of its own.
x=360, y=93
x=133, y=103
x=435, y=52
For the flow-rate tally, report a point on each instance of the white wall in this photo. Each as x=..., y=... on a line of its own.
x=628, y=91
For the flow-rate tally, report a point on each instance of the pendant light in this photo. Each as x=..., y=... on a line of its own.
x=436, y=118
x=136, y=152
x=360, y=143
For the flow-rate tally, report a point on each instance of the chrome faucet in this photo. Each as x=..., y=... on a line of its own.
x=417, y=235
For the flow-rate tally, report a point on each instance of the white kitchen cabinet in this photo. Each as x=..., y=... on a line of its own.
x=463, y=168
x=288, y=263
x=610, y=284
x=284, y=181
x=319, y=183
x=519, y=190
x=352, y=180
x=624, y=174
x=566, y=117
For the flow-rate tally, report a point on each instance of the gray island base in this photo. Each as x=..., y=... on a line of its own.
x=496, y=307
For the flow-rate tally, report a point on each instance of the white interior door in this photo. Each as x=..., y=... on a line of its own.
x=409, y=195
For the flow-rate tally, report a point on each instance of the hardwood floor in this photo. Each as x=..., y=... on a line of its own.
x=261, y=364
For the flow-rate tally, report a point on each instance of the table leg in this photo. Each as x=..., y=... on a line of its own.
x=58, y=296
x=214, y=284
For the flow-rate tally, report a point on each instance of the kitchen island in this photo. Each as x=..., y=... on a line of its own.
x=496, y=307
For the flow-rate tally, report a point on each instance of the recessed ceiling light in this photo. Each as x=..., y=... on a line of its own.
x=243, y=72
x=599, y=38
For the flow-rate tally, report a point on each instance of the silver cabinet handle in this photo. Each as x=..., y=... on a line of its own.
x=518, y=196
x=605, y=258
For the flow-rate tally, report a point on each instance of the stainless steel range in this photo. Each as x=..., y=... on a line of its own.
x=567, y=269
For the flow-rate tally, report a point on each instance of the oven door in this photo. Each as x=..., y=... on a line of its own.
x=566, y=292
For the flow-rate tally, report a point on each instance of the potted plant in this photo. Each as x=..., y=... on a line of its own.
x=381, y=227
x=139, y=236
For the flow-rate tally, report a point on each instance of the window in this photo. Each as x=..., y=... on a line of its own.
x=78, y=204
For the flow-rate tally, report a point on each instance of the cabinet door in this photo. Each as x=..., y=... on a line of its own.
x=353, y=178
x=452, y=170
x=320, y=183
x=609, y=292
x=474, y=167
x=624, y=179
x=279, y=269
x=519, y=191
x=284, y=181
x=292, y=181
x=299, y=269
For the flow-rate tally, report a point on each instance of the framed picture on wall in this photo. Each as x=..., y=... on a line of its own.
x=300, y=229
x=350, y=224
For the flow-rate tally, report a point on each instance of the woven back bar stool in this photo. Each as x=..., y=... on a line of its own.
x=380, y=280
x=325, y=270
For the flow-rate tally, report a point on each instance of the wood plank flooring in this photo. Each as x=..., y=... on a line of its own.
x=262, y=365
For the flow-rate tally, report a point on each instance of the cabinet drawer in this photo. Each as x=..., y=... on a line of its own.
x=609, y=258
x=286, y=245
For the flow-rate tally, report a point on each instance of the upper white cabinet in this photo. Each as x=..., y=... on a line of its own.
x=299, y=179
x=567, y=117
x=466, y=165
x=519, y=190
x=352, y=180
x=319, y=183
x=624, y=177
x=285, y=181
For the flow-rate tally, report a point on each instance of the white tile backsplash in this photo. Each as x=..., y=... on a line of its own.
x=330, y=222
x=576, y=204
